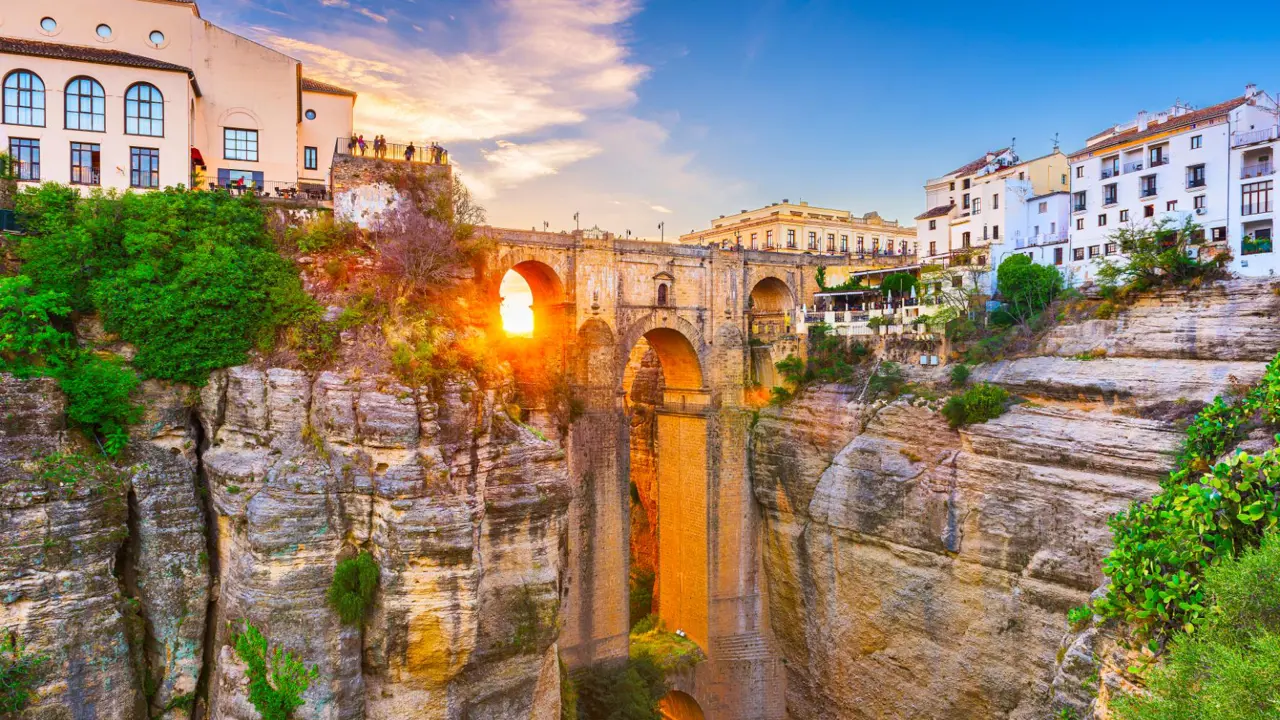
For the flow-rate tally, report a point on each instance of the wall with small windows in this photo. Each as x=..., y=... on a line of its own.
x=332, y=120
x=105, y=126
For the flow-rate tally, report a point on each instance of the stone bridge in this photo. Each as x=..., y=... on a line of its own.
x=609, y=302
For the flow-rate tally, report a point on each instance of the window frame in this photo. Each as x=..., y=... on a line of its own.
x=32, y=144
x=94, y=101
x=1197, y=142
x=151, y=105
x=311, y=161
x=1077, y=254
x=135, y=170
x=226, y=147
x=93, y=167
x=32, y=94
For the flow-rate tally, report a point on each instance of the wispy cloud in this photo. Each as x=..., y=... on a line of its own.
x=660, y=209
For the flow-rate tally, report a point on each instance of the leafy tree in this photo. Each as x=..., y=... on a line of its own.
x=630, y=692
x=887, y=380
x=1158, y=255
x=898, y=283
x=960, y=374
x=277, y=679
x=20, y=674
x=355, y=581
x=97, y=391
x=1027, y=287
x=27, y=335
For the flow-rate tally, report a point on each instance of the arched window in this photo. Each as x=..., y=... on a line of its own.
x=144, y=110
x=662, y=294
x=23, y=98
x=86, y=105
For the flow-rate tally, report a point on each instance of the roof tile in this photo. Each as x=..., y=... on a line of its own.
x=309, y=85
x=1172, y=123
x=102, y=56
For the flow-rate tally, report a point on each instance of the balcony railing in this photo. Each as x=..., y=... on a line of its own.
x=1132, y=167
x=1041, y=239
x=1194, y=183
x=1158, y=161
x=1255, y=170
x=1079, y=208
x=1148, y=191
x=1252, y=137
x=1110, y=172
x=412, y=152
x=277, y=190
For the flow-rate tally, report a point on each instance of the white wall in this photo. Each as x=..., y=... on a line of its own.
x=333, y=120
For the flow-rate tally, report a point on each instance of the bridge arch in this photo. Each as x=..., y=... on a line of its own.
x=771, y=294
x=678, y=344
x=677, y=705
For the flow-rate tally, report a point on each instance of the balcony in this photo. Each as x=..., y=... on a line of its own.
x=1253, y=137
x=1196, y=183
x=426, y=154
x=1132, y=167
x=1110, y=172
x=1079, y=208
x=1149, y=191
x=1041, y=239
x=1257, y=170
x=279, y=191
x=1158, y=161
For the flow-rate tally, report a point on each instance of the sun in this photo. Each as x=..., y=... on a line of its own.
x=517, y=305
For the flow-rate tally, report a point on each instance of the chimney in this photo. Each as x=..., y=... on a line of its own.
x=1250, y=90
x=1142, y=120
x=786, y=201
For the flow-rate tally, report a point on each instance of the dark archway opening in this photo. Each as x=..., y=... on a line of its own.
x=770, y=325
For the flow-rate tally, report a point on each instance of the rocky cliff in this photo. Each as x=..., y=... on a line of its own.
x=234, y=503
x=919, y=572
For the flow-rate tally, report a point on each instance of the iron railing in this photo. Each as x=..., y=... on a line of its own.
x=276, y=190
x=426, y=153
x=1132, y=167
x=1110, y=172
x=1252, y=137
x=1158, y=161
x=1148, y=191
x=1259, y=169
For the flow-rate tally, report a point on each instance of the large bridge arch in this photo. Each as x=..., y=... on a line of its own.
x=680, y=346
x=550, y=286
x=677, y=705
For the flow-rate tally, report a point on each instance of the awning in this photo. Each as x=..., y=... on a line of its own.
x=197, y=160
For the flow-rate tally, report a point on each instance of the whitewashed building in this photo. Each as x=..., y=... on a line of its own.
x=1178, y=164
x=991, y=207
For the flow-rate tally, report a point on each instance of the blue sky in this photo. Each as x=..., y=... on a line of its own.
x=635, y=113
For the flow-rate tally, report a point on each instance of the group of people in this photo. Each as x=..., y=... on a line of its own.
x=432, y=154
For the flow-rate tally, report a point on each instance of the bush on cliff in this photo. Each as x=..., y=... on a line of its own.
x=20, y=674
x=1027, y=288
x=1209, y=511
x=978, y=404
x=627, y=692
x=355, y=580
x=1230, y=669
x=191, y=279
x=277, y=679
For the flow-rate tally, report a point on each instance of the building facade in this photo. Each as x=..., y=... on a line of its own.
x=1212, y=166
x=801, y=228
x=995, y=205
x=145, y=93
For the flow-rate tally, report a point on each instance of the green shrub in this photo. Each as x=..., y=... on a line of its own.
x=324, y=233
x=960, y=374
x=1230, y=668
x=792, y=369
x=629, y=692
x=28, y=338
x=978, y=404
x=886, y=381
x=641, y=594
x=97, y=391
x=1207, y=512
x=191, y=279
x=20, y=674
x=780, y=396
x=277, y=679
x=1026, y=287
x=355, y=580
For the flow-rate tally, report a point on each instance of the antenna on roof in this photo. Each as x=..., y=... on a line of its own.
x=1056, y=144
x=1013, y=144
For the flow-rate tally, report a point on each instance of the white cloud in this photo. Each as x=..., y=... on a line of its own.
x=659, y=208
x=512, y=164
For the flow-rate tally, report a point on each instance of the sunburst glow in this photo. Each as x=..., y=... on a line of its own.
x=517, y=305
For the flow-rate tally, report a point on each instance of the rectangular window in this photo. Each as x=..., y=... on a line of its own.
x=844, y=243
x=1159, y=156
x=1111, y=167
x=1057, y=256
x=965, y=240
x=875, y=246
x=791, y=239
x=86, y=163
x=1195, y=176
x=753, y=240
x=1148, y=211
x=933, y=247
x=1171, y=205
x=768, y=238
x=933, y=224
x=1080, y=201
x=1198, y=202
x=1148, y=185
x=1093, y=251
x=995, y=202
x=1219, y=234
x=1079, y=223
x=1079, y=171
x=1256, y=198
x=240, y=144
x=813, y=241
x=831, y=242
x=977, y=206
x=953, y=187
x=310, y=158
x=965, y=201
x=26, y=158
x=1110, y=248
x=1197, y=142
x=995, y=232
x=144, y=168
x=902, y=247
x=966, y=184
x=860, y=244
x=1110, y=194
x=1077, y=254
x=1124, y=216
x=1102, y=220
x=1044, y=208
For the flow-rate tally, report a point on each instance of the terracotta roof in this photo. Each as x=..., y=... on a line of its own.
x=1173, y=123
x=309, y=85
x=976, y=165
x=102, y=56
x=936, y=212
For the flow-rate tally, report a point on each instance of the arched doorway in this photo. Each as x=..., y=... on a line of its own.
x=527, y=310
x=666, y=401
x=680, y=706
x=769, y=323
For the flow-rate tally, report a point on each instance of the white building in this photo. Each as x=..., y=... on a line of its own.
x=1171, y=166
x=1254, y=142
x=145, y=93
x=993, y=206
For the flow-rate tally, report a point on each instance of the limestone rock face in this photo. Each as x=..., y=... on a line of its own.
x=234, y=503
x=920, y=572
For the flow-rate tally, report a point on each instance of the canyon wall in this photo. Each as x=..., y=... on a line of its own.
x=237, y=502
x=920, y=572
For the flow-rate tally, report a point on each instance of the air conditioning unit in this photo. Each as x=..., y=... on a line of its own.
x=1202, y=211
